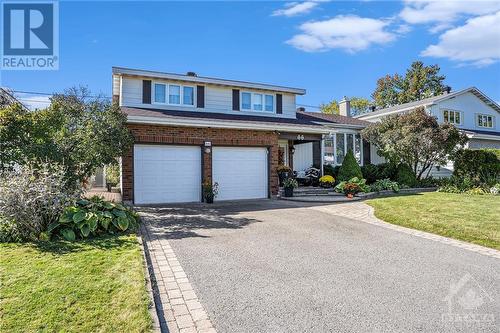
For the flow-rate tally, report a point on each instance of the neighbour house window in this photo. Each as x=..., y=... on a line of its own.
x=188, y=96
x=337, y=145
x=452, y=117
x=257, y=102
x=484, y=120
x=176, y=94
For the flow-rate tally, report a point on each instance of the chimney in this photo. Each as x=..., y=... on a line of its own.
x=345, y=107
x=448, y=89
x=301, y=109
x=191, y=74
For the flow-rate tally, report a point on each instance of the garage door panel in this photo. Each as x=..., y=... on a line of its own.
x=167, y=174
x=241, y=172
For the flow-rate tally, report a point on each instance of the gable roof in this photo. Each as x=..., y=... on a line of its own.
x=203, y=79
x=431, y=100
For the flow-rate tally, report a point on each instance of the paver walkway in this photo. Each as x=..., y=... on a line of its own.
x=177, y=305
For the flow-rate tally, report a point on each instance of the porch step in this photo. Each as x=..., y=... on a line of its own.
x=312, y=191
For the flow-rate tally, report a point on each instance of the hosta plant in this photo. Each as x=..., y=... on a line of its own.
x=385, y=184
x=94, y=216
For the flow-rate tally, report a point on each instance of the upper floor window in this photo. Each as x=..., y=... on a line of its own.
x=177, y=94
x=257, y=102
x=452, y=117
x=484, y=120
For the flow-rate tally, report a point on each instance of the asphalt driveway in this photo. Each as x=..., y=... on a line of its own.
x=274, y=266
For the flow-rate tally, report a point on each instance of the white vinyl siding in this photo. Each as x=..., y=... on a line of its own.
x=241, y=172
x=217, y=99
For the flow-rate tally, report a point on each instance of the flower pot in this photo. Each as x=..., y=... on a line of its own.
x=350, y=195
x=288, y=191
x=209, y=199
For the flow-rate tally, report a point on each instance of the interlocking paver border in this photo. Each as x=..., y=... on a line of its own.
x=179, y=309
x=361, y=211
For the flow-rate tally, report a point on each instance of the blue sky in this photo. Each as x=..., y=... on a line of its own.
x=331, y=49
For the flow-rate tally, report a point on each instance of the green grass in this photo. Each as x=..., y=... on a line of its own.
x=89, y=286
x=470, y=218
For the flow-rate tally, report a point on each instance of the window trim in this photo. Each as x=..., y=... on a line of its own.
x=263, y=94
x=333, y=137
x=454, y=111
x=167, y=94
x=493, y=120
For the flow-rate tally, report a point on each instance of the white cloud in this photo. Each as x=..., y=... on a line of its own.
x=295, y=8
x=350, y=33
x=33, y=102
x=477, y=42
x=442, y=13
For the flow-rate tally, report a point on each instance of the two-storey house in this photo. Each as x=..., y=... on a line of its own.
x=190, y=129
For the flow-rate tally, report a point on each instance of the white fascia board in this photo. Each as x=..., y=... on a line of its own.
x=380, y=115
x=207, y=80
x=484, y=136
x=224, y=124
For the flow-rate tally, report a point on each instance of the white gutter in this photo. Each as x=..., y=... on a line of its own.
x=383, y=114
x=483, y=136
x=225, y=124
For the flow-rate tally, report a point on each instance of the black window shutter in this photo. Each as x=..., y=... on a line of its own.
x=279, y=103
x=366, y=153
x=146, y=91
x=200, y=96
x=236, y=99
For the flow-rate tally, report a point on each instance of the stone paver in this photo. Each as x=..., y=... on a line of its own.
x=361, y=211
x=179, y=308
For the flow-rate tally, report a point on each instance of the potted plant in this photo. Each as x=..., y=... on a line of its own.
x=210, y=191
x=326, y=181
x=283, y=173
x=289, y=184
x=350, y=189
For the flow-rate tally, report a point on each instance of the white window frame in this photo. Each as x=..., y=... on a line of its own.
x=167, y=96
x=333, y=136
x=485, y=115
x=252, y=94
x=454, y=117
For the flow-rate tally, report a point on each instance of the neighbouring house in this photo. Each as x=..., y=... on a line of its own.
x=190, y=129
x=469, y=110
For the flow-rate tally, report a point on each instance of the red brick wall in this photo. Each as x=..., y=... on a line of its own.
x=198, y=136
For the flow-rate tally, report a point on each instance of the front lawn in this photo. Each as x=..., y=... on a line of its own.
x=470, y=218
x=87, y=286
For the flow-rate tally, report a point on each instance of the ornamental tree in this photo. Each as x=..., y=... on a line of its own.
x=415, y=139
x=77, y=130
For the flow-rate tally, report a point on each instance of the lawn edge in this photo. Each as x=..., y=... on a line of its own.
x=488, y=251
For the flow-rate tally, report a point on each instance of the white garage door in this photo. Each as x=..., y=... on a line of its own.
x=164, y=174
x=240, y=172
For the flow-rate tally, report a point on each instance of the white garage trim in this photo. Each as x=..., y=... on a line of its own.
x=241, y=172
x=167, y=174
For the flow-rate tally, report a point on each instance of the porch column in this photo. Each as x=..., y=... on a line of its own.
x=322, y=153
x=290, y=154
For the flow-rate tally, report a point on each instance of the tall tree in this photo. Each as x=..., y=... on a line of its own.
x=415, y=139
x=419, y=82
x=330, y=108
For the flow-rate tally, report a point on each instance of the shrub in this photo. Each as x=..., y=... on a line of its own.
x=370, y=173
x=31, y=199
x=350, y=168
x=385, y=184
x=329, y=170
x=481, y=166
x=476, y=191
x=387, y=170
x=93, y=217
x=405, y=175
x=113, y=174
